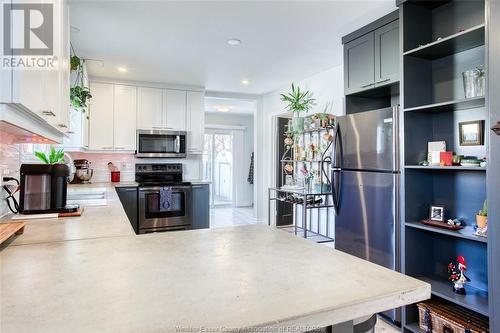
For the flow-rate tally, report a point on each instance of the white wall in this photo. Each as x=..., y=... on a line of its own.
x=243, y=146
x=327, y=88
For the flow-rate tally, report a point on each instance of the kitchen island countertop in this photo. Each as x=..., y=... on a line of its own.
x=93, y=274
x=229, y=278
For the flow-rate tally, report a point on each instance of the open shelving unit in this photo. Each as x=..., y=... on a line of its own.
x=440, y=40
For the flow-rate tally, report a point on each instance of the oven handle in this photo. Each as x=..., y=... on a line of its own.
x=157, y=188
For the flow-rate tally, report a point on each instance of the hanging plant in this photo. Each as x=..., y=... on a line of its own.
x=75, y=62
x=79, y=93
x=79, y=96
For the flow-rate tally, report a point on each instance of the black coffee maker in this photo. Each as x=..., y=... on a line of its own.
x=44, y=188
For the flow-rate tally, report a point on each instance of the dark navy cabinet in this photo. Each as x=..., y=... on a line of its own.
x=200, y=206
x=128, y=198
x=371, y=56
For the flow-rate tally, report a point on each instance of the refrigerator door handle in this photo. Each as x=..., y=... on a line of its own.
x=395, y=138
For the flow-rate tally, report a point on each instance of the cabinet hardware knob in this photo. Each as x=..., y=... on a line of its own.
x=62, y=125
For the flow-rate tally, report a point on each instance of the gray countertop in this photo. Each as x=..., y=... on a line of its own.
x=93, y=274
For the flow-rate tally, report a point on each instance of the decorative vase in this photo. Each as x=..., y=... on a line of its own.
x=481, y=221
x=297, y=123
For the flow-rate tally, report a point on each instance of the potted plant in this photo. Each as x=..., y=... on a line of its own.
x=297, y=102
x=54, y=157
x=482, y=216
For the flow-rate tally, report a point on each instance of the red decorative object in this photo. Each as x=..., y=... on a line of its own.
x=115, y=176
x=457, y=275
x=446, y=158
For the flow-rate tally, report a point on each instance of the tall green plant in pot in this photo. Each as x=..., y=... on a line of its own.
x=298, y=101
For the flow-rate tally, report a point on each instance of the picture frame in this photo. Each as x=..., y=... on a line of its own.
x=436, y=213
x=471, y=133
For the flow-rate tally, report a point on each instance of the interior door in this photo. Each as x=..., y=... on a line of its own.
x=366, y=222
x=284, y=211
x=368, y=140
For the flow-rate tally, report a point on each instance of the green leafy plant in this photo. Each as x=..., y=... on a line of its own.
x=75, y=62
x=54, y=157
x=298, y=101
x=79, y=93
x=79, y=96
x=484, y=210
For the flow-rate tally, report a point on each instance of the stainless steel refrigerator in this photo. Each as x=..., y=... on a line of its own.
x=365, y=186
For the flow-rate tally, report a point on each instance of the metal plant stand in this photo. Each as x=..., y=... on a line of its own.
x=307, y=198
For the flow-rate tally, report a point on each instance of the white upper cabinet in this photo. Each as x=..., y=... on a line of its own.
x=175, y=109
x=43, y=92
x=125, y=106
x=195, y=121
x=101, y=116
x=149, y=108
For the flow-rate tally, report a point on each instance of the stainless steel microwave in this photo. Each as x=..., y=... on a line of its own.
x=161, y=143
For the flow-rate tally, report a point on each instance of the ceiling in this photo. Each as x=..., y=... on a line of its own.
x=229, y=106
x=185, y=42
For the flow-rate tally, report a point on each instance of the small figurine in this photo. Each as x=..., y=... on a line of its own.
x=457, y=275
x=455, y=222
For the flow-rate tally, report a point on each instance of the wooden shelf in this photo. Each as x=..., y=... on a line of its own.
x=445, y=168
x=465, y=233
x=456, y=43
x=414, y=328
x=475, y=299
x=455, y=105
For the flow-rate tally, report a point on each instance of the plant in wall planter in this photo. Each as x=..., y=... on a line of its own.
x=482, y=216
x=297, y=102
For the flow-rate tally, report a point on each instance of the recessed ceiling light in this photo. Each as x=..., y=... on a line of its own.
x=245, y=82
x=223, y=108
x=122, y=69
x=234, y=41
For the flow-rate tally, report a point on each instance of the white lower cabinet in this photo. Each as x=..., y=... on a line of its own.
x=174, y=109
x=101, y=116
x=125, y=124
x=196, y=121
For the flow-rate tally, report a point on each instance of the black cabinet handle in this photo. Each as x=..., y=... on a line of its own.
x=496, y=128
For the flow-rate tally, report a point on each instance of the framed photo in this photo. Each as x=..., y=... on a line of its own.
x=436, y=213
x=471, y=133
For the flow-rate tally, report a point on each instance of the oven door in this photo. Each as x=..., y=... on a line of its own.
x=161, y=143
x=152, y=218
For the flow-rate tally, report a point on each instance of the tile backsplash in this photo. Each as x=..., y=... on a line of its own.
x=126, y=165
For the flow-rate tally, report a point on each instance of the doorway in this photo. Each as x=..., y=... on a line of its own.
x=218, y=165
